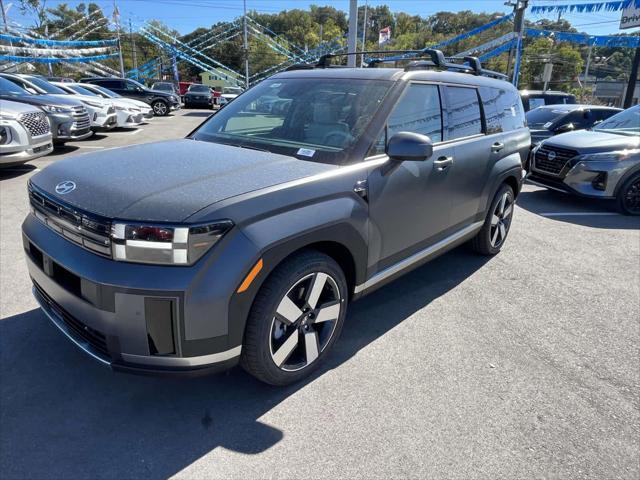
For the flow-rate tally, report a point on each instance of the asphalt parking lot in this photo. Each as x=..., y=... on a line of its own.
x=525, y=365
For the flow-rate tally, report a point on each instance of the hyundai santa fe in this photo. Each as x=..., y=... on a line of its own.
x=246, y=241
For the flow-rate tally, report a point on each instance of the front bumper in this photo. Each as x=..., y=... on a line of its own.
x=103, y=121
x=23, y=146
x=592, y=179
x=127, y=118
x=134, y=317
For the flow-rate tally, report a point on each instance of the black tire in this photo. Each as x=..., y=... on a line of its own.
x=628, y=197
x=264, y=324
x=487, y=241
x=160, y=108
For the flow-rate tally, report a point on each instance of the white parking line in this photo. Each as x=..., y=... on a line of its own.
x=136, y=131
x=578, y=214
x=89, y=146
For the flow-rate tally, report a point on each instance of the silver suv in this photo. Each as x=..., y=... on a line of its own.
x=600, y=163
x=25, y=133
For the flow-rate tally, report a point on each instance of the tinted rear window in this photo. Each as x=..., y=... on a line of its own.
x=463, y=112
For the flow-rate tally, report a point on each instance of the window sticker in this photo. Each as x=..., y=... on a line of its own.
x=306, y=152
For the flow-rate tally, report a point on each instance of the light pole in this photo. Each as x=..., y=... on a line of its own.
x=245, y=42
x=353, y=29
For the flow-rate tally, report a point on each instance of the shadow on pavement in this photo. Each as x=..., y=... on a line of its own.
x=62, y=150
x=587, y=212
x=8, y=173
x=64, y=416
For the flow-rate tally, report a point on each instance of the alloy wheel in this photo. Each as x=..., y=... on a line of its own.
x=305, y=321
x=159, y=108
x=631, y=197
x=501, y=220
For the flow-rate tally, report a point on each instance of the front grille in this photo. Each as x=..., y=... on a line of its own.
x=81, y=120
x=93, y=337
x=36, y=123
x=85, y=229
x=552, y=160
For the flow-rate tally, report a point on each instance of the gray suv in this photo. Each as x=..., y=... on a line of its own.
x=246, y=241
x=600, y=163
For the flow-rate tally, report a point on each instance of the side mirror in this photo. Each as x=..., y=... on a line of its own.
x=408, y=146
x=567, y=127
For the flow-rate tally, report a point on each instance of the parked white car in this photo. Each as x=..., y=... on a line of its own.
x=25, y=133
x=228, y=94
x=145, y=108
x=126, y=115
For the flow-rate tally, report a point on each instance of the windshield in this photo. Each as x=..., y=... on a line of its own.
x=81, y=90
x=46, y=86
x=626, y=122
x=313, y=119
x=106, y=92
x=198, y=88
x=232, y=90
x=9, y=88
x=544, y=117
x=163, y=86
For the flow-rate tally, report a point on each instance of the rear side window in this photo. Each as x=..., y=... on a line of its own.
x=417, y=111
x=502, y=108
x=109, y=83
x=492, y=115
x=463, y=112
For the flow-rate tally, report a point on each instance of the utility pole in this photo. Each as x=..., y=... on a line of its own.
x=519, y=7
x=633, y=78
x=586, y=68
x=364, y=32
x=353, y=32
x=133, y=51
x=116, y=17
x=245, y=46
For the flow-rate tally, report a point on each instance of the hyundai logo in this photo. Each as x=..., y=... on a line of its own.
x=65, y=187
x=550, y=156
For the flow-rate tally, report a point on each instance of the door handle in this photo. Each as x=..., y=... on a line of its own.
x=496, y=147
x=442, y=163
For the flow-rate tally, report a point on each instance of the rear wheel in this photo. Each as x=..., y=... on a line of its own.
x=160, y=108
x=493, y=233
x=628, y=197
x=295, y=319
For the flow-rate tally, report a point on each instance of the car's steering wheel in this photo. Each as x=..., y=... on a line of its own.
x=339, y=138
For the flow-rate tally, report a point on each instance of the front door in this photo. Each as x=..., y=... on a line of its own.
x=409, y=201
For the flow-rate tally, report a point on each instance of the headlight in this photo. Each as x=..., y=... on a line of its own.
x=616, y=156
x=120, y=108
x=5, y=136
x=55, y=109
x=93, y=104
x=165, y=245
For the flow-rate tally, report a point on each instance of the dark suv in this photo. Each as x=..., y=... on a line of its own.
x=161, y=102
x=246, y=241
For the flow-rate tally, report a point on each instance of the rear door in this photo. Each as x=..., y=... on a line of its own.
x=475, y=153
x=409, y=201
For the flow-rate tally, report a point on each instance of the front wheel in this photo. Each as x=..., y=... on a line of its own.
x=295, y=319
x=628, y=197
x=160, y=108
x=495, y=229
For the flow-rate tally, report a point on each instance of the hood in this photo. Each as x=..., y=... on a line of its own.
x=160, y=93
x=168, y=181
x=200, y=94
x=45, y=100
x=136, y=103
x=13, y=109
x=592, y=141
x=90, y=98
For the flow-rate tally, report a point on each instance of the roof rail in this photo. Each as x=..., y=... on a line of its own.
x=420, y=60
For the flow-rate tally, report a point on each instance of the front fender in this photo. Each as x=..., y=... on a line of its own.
x=341, y=220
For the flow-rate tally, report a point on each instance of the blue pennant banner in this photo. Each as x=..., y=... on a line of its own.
x=59, y=43
x=497, y=51
x=611, y=6
x=11, y=58
x=451, y=41
x=583, y=39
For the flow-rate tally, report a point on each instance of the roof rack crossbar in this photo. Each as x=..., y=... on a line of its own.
x=420, y=59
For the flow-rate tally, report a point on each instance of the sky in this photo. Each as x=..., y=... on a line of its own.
x=187, y=15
